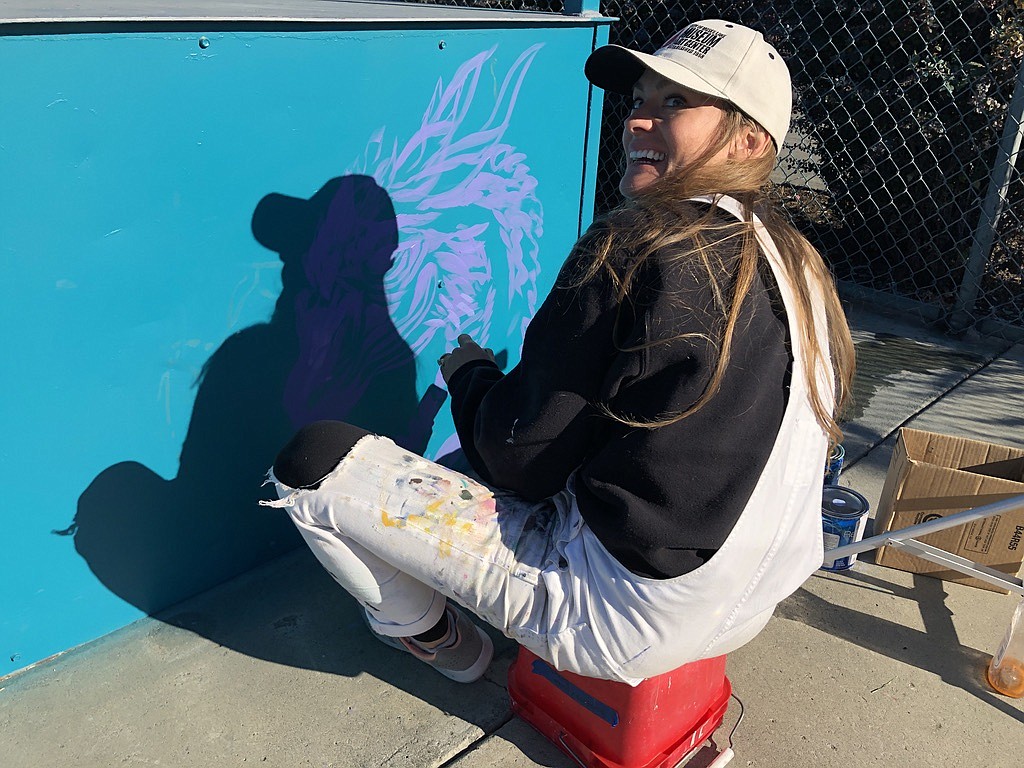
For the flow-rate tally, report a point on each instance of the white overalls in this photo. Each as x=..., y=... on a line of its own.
x=402, y=533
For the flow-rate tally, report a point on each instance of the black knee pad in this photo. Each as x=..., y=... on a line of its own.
x=315, y=450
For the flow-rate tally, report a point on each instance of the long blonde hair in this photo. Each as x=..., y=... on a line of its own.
x=660, y=219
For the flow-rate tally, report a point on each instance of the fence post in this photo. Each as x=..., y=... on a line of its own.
x=999, y=181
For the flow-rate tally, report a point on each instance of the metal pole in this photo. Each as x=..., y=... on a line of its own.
x=906, y=538
x=992, y=209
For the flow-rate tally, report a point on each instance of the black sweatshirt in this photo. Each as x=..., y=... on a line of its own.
x=661, y=500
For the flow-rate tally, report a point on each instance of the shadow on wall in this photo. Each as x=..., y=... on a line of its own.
x=330, y=350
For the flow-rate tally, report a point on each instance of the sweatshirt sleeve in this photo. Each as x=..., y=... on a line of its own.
x=527, y=430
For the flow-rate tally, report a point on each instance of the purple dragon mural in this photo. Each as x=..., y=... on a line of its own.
x=454, y=186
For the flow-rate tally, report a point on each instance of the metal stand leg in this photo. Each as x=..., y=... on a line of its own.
x=906, y=539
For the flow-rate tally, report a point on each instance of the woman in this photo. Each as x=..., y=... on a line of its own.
x=652, y=468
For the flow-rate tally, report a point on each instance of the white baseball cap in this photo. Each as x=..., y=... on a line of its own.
x=713, y=57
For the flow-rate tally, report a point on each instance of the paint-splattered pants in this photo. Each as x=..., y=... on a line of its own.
x=402, y=534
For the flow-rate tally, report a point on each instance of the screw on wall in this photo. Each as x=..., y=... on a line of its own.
x=204, y=43
x=442, y=45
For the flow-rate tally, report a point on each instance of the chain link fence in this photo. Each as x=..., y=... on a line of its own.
x=902, y=165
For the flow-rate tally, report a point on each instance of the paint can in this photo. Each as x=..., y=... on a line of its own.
x=834, y=465
x=844, y=513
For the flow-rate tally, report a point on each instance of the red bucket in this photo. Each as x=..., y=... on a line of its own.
x=604, y=724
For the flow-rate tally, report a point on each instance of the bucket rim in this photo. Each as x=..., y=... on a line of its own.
x=859, y=510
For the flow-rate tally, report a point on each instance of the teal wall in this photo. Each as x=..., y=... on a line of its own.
x=205, y=247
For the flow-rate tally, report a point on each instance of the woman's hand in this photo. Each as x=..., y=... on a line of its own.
x=467, y=351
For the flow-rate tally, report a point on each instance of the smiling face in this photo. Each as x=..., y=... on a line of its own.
x=669, y=127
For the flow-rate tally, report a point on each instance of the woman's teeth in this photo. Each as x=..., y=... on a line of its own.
x=646, y=154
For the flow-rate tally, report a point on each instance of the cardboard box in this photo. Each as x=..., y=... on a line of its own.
x=932, y=476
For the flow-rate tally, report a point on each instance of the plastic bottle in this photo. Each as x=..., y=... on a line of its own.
x=1006, y=670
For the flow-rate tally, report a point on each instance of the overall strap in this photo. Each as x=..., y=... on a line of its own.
x=733, y=206
x=782, y=277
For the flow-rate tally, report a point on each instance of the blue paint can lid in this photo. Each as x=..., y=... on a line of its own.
x=845, y=503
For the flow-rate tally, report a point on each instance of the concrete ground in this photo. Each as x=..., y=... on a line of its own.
x=870, y=667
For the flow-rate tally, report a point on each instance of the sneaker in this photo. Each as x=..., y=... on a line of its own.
x=462, y=659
